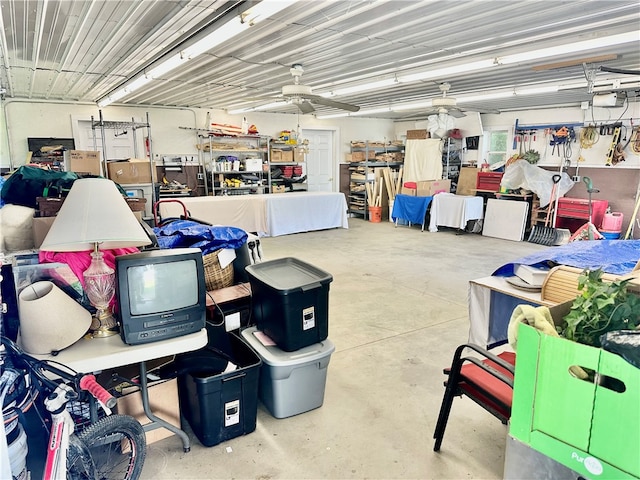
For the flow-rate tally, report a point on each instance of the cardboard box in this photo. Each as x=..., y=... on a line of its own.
x=163, y=399
x=132, y=170
x=417, y=134
x=41, y=226
x=361, y=156
x=82, y=161
x=280, y=156
x=278, y=189
x=298, y=156
x=408, y=191
x=431, y=187
x=592, y=427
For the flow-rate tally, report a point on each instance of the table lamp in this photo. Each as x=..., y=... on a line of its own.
x=96, y=216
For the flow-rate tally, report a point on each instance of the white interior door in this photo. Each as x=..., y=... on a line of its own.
x=320, y=162
x=119, y=142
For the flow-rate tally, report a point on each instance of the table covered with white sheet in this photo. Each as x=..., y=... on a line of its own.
x=248, y=212
x=267, y=214
x=296, y=212
x=450, y=210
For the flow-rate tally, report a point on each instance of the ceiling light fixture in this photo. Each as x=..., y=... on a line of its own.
x=236, y=25
x=489, y=63
x=602, y=42
x=333, y=115
x=266, y=106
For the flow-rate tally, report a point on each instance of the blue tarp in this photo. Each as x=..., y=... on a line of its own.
x=408, y=207
x=617, y=257
x=187, y=233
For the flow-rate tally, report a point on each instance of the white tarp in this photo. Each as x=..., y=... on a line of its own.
x=521, y=174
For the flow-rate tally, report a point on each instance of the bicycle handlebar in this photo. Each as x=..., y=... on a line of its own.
x=88, y=382
x=79, y=380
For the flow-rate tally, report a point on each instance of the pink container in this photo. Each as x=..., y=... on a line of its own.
x=612, y=222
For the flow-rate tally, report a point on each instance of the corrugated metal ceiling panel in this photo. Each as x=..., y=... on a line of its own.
x=81, y=50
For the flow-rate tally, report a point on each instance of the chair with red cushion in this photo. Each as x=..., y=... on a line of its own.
x=485, y=378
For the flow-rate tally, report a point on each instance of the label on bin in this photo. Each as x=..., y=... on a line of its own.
x=232, y=413
x=308, y=318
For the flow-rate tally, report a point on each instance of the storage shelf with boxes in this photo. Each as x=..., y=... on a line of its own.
x=365, y=161
x=237, y=164
x=287, y=167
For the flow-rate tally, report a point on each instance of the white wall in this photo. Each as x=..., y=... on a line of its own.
x=48, y=119
x=593, y=157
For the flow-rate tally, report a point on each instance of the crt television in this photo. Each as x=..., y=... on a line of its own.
x=160, y=294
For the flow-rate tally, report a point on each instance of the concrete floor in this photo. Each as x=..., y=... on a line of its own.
x=398, y=309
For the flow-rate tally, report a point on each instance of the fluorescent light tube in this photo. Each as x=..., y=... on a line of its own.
x=535, y=90
x=333, y=115
x=445, y=72
x=227, y=31
x=361, y=88
x=412, y=106
x=594, y=43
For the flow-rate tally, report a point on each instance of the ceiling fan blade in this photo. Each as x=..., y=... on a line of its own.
x=331, y=103
x=454, y=112
x=305, y=107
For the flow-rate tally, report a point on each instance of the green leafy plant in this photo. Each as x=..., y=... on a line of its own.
x=600, y=308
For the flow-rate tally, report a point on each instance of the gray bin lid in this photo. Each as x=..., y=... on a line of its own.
x=275, y=357
x=288, y=274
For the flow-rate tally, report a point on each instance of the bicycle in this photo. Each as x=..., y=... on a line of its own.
x=113, y=446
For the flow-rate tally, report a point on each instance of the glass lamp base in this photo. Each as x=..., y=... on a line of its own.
x=103, y=325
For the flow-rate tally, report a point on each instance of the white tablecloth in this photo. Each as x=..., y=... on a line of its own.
x=267, y=214
x=450, y=210
x=305, y=211
x=248, y=212
x=491, y=302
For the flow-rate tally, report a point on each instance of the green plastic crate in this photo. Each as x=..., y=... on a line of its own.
x=587, y=427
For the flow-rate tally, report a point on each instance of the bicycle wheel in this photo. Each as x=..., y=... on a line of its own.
x=80, y=465
x=117, y=445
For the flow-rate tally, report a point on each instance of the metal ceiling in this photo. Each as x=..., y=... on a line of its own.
x=81, y=50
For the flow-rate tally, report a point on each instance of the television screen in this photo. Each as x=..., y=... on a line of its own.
x=152, y=287
x=160, y=294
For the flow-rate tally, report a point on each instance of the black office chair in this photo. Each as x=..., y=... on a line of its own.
x=487, y=380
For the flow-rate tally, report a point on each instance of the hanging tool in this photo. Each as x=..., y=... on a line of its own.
x=611, y=153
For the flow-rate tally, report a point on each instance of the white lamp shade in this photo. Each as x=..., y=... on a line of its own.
x=50, y=320
x=93, y=212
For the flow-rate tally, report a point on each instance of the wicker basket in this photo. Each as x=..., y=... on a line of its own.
x=214, y=276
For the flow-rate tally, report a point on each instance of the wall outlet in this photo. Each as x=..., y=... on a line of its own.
x=576, y=178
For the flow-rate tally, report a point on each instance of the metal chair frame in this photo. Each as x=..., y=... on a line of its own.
x=459, y=383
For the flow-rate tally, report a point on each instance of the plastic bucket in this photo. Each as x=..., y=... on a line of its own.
x=610, y=235
x=375, y=214
x=612, y=222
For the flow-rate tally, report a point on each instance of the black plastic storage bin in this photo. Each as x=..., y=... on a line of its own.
x=219, y=406
x=290, y=302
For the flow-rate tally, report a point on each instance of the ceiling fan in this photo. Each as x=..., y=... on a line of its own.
x=446, y=104
x=303, y=96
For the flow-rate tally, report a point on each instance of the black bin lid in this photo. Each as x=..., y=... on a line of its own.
x=288, y=274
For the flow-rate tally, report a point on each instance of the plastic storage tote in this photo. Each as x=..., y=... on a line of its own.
x=290, y=301
x=220, y=406
x=291, y=382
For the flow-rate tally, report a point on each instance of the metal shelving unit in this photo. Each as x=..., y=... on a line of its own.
x=134, y=126
x=244, y=148
x=297, y=180
x=358, y=200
